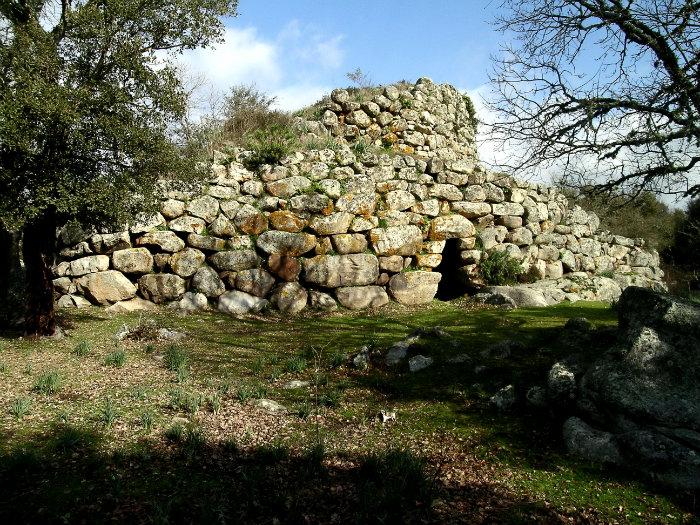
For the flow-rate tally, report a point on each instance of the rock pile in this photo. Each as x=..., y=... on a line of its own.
x=639, y=404
x=357, y=224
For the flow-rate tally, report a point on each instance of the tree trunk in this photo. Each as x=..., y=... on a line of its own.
x=38, y=246
x=6, y=264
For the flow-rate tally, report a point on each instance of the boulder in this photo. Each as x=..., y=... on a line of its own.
x=240, y=303
x=396, y=240
x=235, y=260
x=290, y=298
x=593, y=445
x=411, y=288
x=186, y=262
x=205, y=280
x=285, y=267
x=522, y=296
x=334, y=271
x=361, y=297
x=419, y=362
x=188, y=224
x=133, y=261
x=72, y=301
x=192, y=302
x=331, y=224
x=106, y=243
x=451, y=227
x=89, y=264
x=132, y=305
x=106, y=287
x=286, y=221
x=322, y=301
x=345, y=243
x=255, y=281
x=166, y=241
x=286, y=243
x=161, y=287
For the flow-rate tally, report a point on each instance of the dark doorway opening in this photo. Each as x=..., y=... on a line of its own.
x=452, y=285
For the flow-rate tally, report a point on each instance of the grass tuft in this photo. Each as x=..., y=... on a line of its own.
x=48, y=382
x=116, y=359
x=20, y=407
x=82, y=348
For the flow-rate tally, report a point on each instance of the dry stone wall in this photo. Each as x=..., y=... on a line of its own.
x=356, y=224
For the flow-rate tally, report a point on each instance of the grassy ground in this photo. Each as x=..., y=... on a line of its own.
x=146, y=430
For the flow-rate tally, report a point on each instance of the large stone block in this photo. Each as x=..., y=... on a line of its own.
x=396, y=240
x=411, y=288
x=186, y=262
x=89, y=264
x=235, y=260
x=133, y=260
x=286, y=243
x=166, y=241
x=334, y=271
x=361, y=297
x=451, y=227
x=106, y=287
x=162, y=287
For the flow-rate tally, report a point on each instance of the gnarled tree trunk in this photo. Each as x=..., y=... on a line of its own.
x=38, y=246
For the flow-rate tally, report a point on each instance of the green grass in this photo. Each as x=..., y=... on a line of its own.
x=48, y=382
x=230, y=461
x=117, y=359
x=20, y=407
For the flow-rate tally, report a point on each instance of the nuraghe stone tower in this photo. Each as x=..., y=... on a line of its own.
x=386, y=188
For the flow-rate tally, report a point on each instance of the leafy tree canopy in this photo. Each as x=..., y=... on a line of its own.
x=90, y=103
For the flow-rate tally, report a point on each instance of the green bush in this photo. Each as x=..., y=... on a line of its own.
x=269, y=145
x=116, y=358
x=499, y=269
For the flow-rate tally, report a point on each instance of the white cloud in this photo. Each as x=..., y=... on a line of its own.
x=297, y=96
x=242, y=58
x=291, y=66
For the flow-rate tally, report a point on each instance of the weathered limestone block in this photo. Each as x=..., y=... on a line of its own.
x=471, y=210
x=361, y=297
x=240, y=303
x=430, y=207
x=89, y=264
x=207, y=242
x=332, y=224
x=286, y=243
x=287, y=188
x=507, y=208
x=285, y=267
x=235, y=260
x=312, y=203
x=334, y=271
x=411, y=288
x=187, y=224
x=133, y=260
x=250, y=220
x=207, y=281
x=222, y=227
x=106, y=287
x=286, y=221
x=205, y=207
x=72, y=301
x=172, y=208
x=345, y=243
x=106, y=243
x=451, y=227
x=146, y=223
x=357, y=203
x=186, y=262
x=448, y=192
x=290, y=298
x=399, y=200
x=396, y=240
x=162, y=287
x=256, y=282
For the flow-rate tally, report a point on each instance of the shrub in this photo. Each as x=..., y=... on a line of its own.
x=499, y=269
x=392, y=483
x=175, y=432
x=20, y=407
x=82, y=349
x=48, y=382
x=116, y=358
x=269, y=145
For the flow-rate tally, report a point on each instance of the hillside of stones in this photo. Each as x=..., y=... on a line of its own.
x=386, y=201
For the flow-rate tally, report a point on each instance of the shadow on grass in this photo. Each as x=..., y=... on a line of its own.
x=64, y=477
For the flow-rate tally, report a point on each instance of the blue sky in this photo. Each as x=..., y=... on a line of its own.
x=300, y=49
